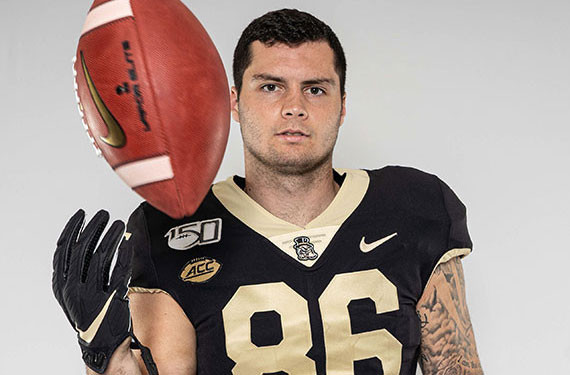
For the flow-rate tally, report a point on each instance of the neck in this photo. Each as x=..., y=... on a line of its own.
x=295, y=198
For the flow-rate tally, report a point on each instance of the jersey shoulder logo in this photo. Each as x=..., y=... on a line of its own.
x=200, y=270
x=186, y=236
x=304, y=248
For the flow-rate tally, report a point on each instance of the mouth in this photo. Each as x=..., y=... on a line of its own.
x=293, y=132
x=292, y=136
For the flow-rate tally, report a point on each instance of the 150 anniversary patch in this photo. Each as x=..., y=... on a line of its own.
x=186, y=236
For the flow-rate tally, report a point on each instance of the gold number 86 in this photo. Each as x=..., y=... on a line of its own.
x=342, y=347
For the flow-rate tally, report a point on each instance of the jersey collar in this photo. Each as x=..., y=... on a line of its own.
x=243, y=207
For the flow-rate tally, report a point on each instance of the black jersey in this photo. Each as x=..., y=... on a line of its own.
x=337, y=296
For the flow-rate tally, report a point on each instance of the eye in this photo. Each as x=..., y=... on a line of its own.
x=270, y=87
x=316, y=91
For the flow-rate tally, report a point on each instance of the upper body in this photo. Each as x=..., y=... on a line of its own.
x=352, y=290
x=343, y=311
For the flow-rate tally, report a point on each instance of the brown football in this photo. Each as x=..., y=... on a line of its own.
x=154, y=99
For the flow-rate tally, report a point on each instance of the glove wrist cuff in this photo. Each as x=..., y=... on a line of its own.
x=97, y=358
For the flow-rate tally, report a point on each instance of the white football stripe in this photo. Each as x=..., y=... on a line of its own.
x=107, y=12
x=146, y=171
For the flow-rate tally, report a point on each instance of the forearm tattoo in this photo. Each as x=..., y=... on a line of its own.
x=448, y=344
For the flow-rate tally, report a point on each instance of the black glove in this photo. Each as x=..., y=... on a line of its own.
x=96, y=306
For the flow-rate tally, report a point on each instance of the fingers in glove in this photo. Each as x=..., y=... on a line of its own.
x=61, y=259
x=88, y=240
x=122, y=270
x=107, y=249
x=72, y=227
x=67, y=239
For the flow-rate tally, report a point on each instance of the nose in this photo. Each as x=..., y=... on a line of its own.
x=294, y=107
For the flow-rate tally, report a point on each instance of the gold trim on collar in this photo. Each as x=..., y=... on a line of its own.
x=262, y=221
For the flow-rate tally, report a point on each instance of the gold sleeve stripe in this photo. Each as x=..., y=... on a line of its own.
x=460, y=252
x=138, y=289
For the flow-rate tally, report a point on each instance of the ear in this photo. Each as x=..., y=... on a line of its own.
x=343, y=108
x=234, y=104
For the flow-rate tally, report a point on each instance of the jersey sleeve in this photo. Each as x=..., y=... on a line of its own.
x=430, y=219
x=458, y=235
x=144, y=277
x=456, y=241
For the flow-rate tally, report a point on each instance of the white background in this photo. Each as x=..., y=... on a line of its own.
x=476, y=92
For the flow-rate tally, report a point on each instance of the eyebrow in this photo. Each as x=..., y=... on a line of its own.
x=313, y=81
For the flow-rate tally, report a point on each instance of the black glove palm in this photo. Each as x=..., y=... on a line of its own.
x=95, y=305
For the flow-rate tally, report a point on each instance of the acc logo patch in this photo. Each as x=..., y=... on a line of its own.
x=186, y=236
x=200, y=270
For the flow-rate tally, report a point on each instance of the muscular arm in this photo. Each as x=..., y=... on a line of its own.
x=160, y=324
x=447, y=343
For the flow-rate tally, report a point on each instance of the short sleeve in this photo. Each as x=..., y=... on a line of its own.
x=144, y=276
x=458, y=236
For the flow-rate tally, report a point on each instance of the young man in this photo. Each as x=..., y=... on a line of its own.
x=296, y=269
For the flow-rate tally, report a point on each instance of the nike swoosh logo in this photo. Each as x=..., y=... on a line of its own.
x=367, y=247
x=115, y=134
x=90, y=333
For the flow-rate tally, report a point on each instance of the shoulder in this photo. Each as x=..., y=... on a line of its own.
x=425, y=205
x=159, y=242
x=402, y=172
x=404, y=179
x=161, y=232
x=414, y=189
x=411, y=180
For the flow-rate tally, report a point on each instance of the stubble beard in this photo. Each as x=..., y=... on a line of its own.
x=276, y=162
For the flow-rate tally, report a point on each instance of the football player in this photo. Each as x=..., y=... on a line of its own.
x=298, y=268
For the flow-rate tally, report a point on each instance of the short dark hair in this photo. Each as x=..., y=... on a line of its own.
x=291, y=27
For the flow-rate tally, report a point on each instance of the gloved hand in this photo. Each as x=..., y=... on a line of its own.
x=95, y=304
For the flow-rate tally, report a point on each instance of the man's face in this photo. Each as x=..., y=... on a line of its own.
x=290, y=108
